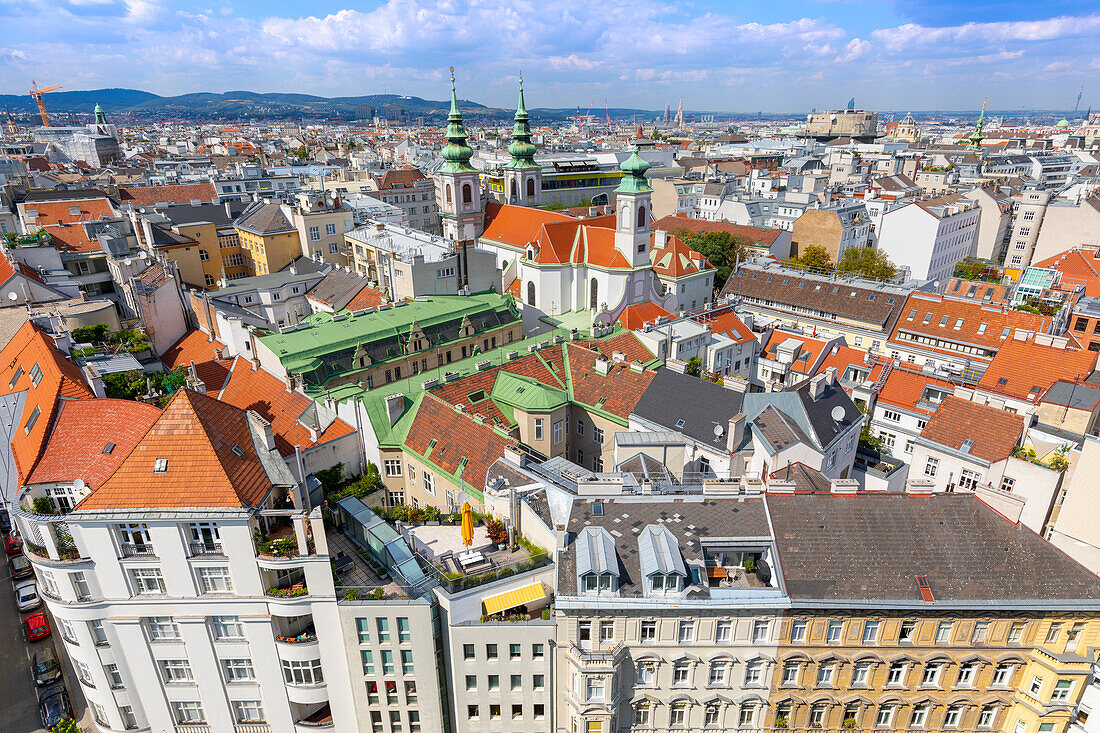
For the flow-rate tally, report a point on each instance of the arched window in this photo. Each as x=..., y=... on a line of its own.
x=530, y=188
x=512, y=190
x=531, y=292
x=593, y=294
x=448, y=193
x=467, y=193
x=642, y=223
x=626, y=216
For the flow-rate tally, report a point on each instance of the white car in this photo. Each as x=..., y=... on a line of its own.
x=26, y=596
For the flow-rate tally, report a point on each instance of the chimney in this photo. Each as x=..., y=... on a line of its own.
x=395, y=407
x=843, y=486
x=255, y=363
x=817, y=387
x=920, y=486
x=603, y=366
x=193, y=382
x=830, y=376
x=736, y=432
x=660, y=238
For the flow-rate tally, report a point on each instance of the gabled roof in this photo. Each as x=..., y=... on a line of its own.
x=616, y=392
x=953, y=424
x=1080, y=264
x=627, y=344
x=183, y=193
x=264, y=219
x=210, y=460
x=905, y=387
x=759, y=237
x=266, y=395
x=1025, y=370
x=726, y=323
x=689, y=405
x=401, y=178
x=676, y=259
x=635, y=316
x=474, y=391
x=195, y=346
x=90, y=438
x=56, y=379
x=961, y=320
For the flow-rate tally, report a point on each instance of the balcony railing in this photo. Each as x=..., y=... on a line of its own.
x=129, y=549
x=298, y=590
x=305, y=636
x=206, y=548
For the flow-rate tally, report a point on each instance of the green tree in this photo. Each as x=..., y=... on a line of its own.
x=722, y=250
x=68, y=725
x=868, y=262
x=869, y=440
x=330, y=478
x=302, y=153
x=814, y=257
x=694, y=366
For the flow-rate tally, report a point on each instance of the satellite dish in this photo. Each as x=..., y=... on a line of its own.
x=128, y=262
x=143, y=256
x=838, y=413
x=13, y=297
x=79, y=484
x=718, y=431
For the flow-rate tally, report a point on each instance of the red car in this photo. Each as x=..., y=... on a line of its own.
x=36, y=627
x=12, y=544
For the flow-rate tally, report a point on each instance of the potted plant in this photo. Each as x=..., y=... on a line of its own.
x=849, y=722
x=781, y=721
x=497, y=533
x=749, y=565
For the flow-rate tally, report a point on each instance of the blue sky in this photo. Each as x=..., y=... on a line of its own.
x=742, y=56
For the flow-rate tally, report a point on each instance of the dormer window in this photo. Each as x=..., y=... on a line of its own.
x=660, y=559
x=597, y=562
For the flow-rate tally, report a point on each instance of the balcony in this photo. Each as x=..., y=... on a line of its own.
x=600, y=656
x=130, y=549
x=206, y=548
x=319, y=719
x=296, y=630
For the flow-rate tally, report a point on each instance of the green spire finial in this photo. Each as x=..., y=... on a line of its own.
x=521, y=149
x=456, y=152
x=976, y=137
x=634, y=169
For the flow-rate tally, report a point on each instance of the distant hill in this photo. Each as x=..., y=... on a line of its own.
x=271, y=105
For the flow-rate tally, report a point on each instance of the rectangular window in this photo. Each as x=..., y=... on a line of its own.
x=214, y=580
x=188, y=712
x=429, y=483
x=383, y=630
x=723, y=631
x=491, y=652
x=538, y=651
x=538, y=428
x=176, y=670
x=931, y=466
x=931, y=676
x=981, y=630
x=832, y=635
x=248, y=711
x=825, y=674
x=393, y=467
x=1036, y=685
x=790, y=673
x=303, y=673
x=597, y=435
x=147, y=581
x=753, y=672
x=559, y=431
x=403, y=634
x=406, y=662
x=387, y=661
x=986, y=717
x=860, y=673
x=1062, y=689
x=367, y=658
x=870, y=632
x=238, y=670
x=649, y=631
x=687, y=632
x=1053, y=632
x=798, y=631
x=468, y=652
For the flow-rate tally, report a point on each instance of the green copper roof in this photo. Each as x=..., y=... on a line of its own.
x=634, y=169
x=456, y=152
x=521, y=149
x=100, y=116
x=529, y=395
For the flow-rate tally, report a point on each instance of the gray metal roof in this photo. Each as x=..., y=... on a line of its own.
x=700, y=404
x=595, y=550
x=659, y=552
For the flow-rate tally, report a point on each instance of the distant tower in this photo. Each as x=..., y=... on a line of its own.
x=976, y=137
x=100, y=116
x=668, y=113
x=907, y=129
x=632, y=211
x=522, y=175
x=457, y=184
x=679, y=115
x=851, y=104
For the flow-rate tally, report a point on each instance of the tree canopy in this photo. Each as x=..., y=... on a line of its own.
x=868, y=262
x=722, y=249
x=814, y=257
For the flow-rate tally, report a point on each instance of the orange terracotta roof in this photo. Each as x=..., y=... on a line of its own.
x=183, y=193
x=462, y=445
x=725, y=322
x=841, y=357
x=904, y=387
x=754, y=236
x=616, y=392
x=637, y=315
x=517, y=225
x=544, y=366
x=71, y=238
x=196, y=435
x=194, y=347
x=625, y=343
x=982, y=325
x=1025, y=370
x=956, y=419
x=79, y=445
x=1078, y=264
x=264, y=393
x=676, y=259
x=59, y=380
x=365, y=298
x=807, y=354
x=60, y=212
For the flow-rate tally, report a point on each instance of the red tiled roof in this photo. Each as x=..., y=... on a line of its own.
x=365, y=298
x=995, y=433
x=811, y=348
x=726, y=323
x=71, y=238
x=1025, y=370
x=60, y=212
x=616, y=392
x=264, y=393
x=982, y=324
x=904, y=387
x=194, y=347
x=463, y=445
x=196, y=435
x=518, y=225
x=676, y=259
x=841, y=357
x=637, y=315
x=77, y=446
x=754, y=236
x=183, y=193
x=534, y=366
x=1080, y=264
x=403, y=178
x=625, y=343
x=60, y=380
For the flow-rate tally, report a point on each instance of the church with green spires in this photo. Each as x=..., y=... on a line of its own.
x=522, y=175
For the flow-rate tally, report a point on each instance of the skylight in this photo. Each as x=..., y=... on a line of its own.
x=108, y=449
x=237, y=451
x=161, y=465
x=680, y=424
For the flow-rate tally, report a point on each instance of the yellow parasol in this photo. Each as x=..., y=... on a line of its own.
x=467, y=525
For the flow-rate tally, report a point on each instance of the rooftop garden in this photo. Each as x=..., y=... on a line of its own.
x=105, y=341
x=978, y=270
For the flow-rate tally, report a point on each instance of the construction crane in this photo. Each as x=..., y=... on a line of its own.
x=37, y=92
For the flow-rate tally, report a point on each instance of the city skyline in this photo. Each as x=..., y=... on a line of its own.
x=763, y=58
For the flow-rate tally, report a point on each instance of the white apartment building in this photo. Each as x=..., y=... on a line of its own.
x=1029, y=207
x=929, y=237
x=192, y=589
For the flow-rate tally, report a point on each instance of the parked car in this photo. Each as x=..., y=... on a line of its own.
x=12, y=544
x=20, y=567
x=47, y=669
x=26, y=596
x=5, y=521
x=36, y=627
x=54, y=706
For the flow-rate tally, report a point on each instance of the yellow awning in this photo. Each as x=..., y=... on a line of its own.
x=513, y=598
